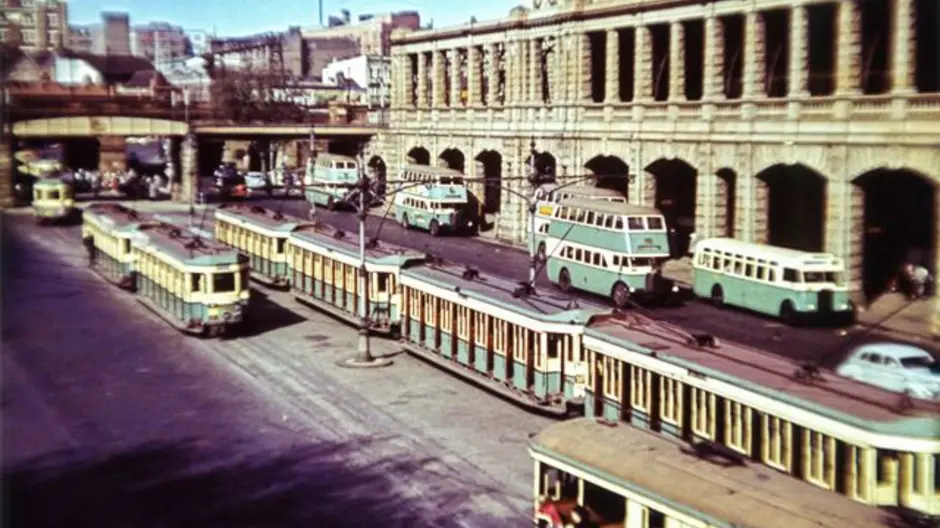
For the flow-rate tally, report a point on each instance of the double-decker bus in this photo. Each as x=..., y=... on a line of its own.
x=434, y=198
x=328, y=181
x=771, y=280
x=607, y=248
x=548, y=195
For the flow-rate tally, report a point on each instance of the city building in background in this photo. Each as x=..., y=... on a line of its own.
x=189, y=75
x=113, y=35
x=198, y=41
x=372, y=32
x=369, y=72
x=69, y=68
x=159, y=41
x=34, y=24
x=81, y=39
x=289, y=53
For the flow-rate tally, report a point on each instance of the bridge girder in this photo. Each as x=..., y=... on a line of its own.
x=91, y=126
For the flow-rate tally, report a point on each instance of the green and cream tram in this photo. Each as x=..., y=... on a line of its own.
x=107, y=231
x=197, y=285
x=771, y=280
x=329, y=181
x=53, y=200
x=611, y=249
x=615, y=475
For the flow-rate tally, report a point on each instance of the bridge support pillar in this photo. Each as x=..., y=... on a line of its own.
x=189, y=161
x=112, y=154
x=7, y=171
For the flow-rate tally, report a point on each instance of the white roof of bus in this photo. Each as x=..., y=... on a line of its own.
x=603, y=206
x=763, y=251
x=582, y=191
x=429, y=169
x=326, y=156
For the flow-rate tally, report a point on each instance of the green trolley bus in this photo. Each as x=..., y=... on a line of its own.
x=329, y=181
x=608, y=248
x=434, y=198
x=548, y=195
x=771, y=280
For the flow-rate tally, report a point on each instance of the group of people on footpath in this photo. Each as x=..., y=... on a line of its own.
x=913, y=281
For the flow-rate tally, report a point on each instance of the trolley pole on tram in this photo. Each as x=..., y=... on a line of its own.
x=364, y=358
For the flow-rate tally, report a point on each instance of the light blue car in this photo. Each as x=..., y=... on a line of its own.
x=895, y=367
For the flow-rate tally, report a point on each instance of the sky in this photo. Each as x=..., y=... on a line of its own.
x=245, y=17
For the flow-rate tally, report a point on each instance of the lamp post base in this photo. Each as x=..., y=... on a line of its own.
x=364, y=359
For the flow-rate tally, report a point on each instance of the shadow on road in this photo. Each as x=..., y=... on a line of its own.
x=266, y=315
x=186, y=484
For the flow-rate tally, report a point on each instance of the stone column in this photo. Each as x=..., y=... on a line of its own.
x=474, y=76
x=493, y=96
x=112, y=154
x=677, y=62
x=189, y=159
x=437, y=80
x=535, y=71
x=422, y=80
x=904, y=48
x=754, y=71
x=799, y=48
x=568, y=72
x=713, y=72
x=584, y=67
x=6, y=171
x=454, y=80
x=642, y=71
x=612, y=80
x=848, y=49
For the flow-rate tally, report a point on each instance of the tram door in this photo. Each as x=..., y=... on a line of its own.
x=598, y=388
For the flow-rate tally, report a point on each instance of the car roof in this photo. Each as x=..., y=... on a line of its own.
x=895, y=350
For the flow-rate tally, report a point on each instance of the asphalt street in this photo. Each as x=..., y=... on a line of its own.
x=111, y=418
x=825, y=344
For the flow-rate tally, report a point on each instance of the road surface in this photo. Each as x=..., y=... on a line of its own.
x=111, y=418
x=829, y=345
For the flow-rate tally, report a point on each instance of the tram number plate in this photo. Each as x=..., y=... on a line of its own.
x=579, y=379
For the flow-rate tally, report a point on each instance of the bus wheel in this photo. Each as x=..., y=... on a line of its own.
x=718, y=295
x=787, y=313
x=404, y=221
x=620, y=295
x=434, y=228
x=541, y=252
x=330, y=204
x=564, y=280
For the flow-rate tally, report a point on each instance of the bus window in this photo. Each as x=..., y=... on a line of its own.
x=738, y=267
x=772, y=275
x=749, y=270
x=577, y=254
x=590, y=218
x=761, y=272
x=616, y=261
x=791, y=275
x=635, y=223
x=596, y=259
x=822, y=276
x=654, y=222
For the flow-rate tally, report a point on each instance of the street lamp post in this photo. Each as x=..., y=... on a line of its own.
x=364, y=358
x=533, y=251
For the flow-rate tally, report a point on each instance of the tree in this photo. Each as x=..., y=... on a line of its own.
x=252, y=95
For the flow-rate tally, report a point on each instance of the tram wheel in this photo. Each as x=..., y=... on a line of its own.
x=434, y=228
x=564, y=280
x=620, y=295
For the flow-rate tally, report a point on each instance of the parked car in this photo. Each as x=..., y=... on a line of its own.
x=258, y=182
x=896, y=367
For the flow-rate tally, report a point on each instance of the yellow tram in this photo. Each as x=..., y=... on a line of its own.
x=107, y=231
x=53, y=200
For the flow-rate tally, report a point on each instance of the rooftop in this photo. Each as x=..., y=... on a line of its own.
x=121, y=217
x=731, y=494
x=547, y=305
x=185, y=248
x=773, y=376
x=604, y=206
x=266, y=218
x=333, y=239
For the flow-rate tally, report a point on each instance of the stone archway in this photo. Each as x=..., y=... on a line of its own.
x=490, y=166
x=545, y=168
x=675, y=183
x=611, y=173
x=725, y=209
x=453, y=159
x=795, y=207
x=899, y=224
x=379, y=172
x=419, y=156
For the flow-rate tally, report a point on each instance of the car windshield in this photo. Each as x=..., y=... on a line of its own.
x=919, y=362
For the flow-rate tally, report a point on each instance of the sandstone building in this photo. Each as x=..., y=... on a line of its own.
x=812, y=124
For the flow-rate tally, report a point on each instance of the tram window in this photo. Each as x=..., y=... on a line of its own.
x=654, y=222
x=127, y=246
x=281, y=244
x=772, y=275
x=790, y=275
x=635, y=223
x=382, y=282
x=223, y=282
x=195, y=283
x=761, y=272
x=590, y=218
x=656, y=519
x=618, y=223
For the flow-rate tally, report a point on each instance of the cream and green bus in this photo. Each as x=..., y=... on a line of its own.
x=771, y=280
x=546, y=198
x=608, y=248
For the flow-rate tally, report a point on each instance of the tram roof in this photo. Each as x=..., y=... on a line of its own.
x=604, y=206
x=431, y=169
x=772, y=376
x=259, y=216
x=333, y=239
x=545, y=305
x=725, y=494
x=763, y=251
x=121, y=218
x=186, y=248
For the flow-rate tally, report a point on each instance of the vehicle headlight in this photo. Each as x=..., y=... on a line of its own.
x=675, y=289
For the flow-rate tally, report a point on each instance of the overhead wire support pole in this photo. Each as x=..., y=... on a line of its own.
x=532, y=206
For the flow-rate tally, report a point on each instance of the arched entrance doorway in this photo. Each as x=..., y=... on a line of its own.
x=611, y=173
x=725, y=202
x=453, y=159
x=379, y=173
x=419, y=156
x=490, y=166
x=545, y=168
x=795, y=207
x=899, y=225
x=676, y=182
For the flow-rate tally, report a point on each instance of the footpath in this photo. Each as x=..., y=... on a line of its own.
x=891, y=314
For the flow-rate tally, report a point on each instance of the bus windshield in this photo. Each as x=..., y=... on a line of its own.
x=451, y=180
x=449, y=205
x=822, y=276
